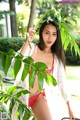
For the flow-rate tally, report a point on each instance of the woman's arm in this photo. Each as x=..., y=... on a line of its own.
x=61, y=83
x=25, y=45
x=29, y=36
x=69, y=110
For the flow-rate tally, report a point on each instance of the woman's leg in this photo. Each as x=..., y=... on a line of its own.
x=41, y=109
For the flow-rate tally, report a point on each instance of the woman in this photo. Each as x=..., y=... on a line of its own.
x=49, y=51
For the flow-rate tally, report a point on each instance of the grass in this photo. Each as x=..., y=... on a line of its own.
x=73, y=72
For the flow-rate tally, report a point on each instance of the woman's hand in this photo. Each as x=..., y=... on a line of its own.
x=30, y=34
x=29, y=38
x=71, y=114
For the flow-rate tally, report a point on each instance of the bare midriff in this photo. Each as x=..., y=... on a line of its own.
x=35, y=90
x=39, y=55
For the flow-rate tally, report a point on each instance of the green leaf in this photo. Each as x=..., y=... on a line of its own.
x=7, y=64
x=32, y=77
x=4, y=97
x=27, y=115
x=1, y=83
x=21, y=93
x=40, y=66
x=17, y=66
x=19, y=56
x=50, y=80
x=3, y=107
x=11, y=52
x=40, y=80
x=12, y=89
x=2, y=59
x=28, y=60
x=20, y=111
x=25, y=71
x=33, y=118
x=1, y=94
x=11, y=105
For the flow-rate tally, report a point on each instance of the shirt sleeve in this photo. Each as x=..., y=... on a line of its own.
x=18, y=81
x=29, y=50
x=61, y=81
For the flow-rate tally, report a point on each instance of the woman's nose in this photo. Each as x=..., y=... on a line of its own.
x=50, y=37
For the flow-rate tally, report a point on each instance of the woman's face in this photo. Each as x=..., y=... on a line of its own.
x=49, y=35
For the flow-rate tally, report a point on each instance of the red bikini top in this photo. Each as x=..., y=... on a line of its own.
x=49, y=71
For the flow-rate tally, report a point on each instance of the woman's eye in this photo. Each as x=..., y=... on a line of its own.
x=54, y=34
x=46, y=33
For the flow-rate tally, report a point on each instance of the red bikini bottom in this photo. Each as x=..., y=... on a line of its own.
x=33, y=99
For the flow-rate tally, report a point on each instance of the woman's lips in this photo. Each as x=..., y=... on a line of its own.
x=49, y=42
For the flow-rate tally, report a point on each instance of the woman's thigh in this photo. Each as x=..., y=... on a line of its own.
x=41, y=109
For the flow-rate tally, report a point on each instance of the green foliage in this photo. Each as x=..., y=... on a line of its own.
x=22, y=20
x=71, y=57
x=1, y=26
x=6, y=12
x=77, y=38
x=11, y=43
x=34, y=68
x=1, y=15
x=70, y=10
x=65, y=29
x=3, y=108
x=12, y=95
x=48, y=9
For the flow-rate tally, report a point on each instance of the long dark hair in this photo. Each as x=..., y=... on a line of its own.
x=57, y=46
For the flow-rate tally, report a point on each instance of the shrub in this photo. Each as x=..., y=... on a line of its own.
x=71, y=57
x=11, y=43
